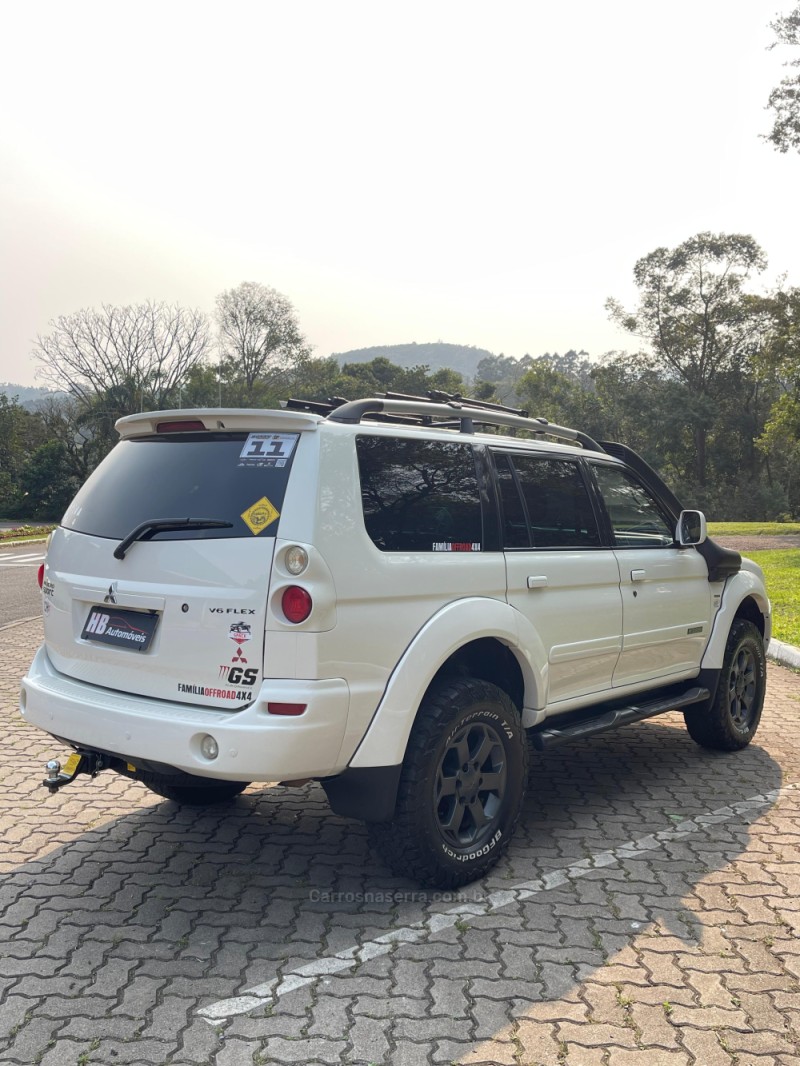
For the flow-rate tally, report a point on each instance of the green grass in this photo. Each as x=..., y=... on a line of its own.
x=782, y=575
x=745, y=529
x=22, y=533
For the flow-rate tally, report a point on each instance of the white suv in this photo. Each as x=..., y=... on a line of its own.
x=390, y=596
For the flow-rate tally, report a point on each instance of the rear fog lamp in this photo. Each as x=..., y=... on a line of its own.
x=296, y=604
x=209, y=747
x=289, y=709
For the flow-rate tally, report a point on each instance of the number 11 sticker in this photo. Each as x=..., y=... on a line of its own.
x=268, y=449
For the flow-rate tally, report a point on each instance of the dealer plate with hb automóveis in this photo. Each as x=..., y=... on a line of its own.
x=132, y=630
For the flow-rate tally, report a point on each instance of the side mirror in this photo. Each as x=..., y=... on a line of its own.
x=691, y=528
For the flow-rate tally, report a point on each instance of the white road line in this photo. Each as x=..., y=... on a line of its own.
x=268, y=992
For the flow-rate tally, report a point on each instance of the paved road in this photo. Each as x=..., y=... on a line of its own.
x=647, y=914
x=19, y=592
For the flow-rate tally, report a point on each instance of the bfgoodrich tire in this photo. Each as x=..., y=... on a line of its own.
x=731, y=721
x=461, y=787
x=195, y=791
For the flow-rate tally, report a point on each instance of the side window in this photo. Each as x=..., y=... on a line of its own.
x=419, y=495
x=515, y=524
x=559, y=510
x=636, y=518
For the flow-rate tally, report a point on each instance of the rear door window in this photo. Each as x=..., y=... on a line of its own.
x=545, y=502
x=200, y=475
x=420, y=495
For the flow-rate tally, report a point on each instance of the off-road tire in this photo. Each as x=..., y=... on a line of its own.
x=197, y=792
x=730, y=722
x=459, y=718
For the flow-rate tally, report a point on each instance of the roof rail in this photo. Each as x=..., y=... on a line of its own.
x=454, y=409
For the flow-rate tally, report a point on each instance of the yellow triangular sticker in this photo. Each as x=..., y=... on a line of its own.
x=260, y=515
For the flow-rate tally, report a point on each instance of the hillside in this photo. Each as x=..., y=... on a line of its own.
x=25, y=394
x=461, y=357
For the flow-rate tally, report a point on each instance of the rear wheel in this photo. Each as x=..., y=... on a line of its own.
x=730, y=723
x=461, y=787
x=192, y=791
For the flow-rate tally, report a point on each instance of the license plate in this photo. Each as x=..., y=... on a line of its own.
x=132, y=630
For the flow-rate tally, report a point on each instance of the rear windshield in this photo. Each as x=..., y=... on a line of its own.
x=233, y=477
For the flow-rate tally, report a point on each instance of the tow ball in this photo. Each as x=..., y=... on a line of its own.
x=80, y=762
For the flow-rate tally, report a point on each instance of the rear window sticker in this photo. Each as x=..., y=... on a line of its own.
x=455, y=546
x=268, y=449
x=260, y=515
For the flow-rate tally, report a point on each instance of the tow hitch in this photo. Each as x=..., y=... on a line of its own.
x=80, y=762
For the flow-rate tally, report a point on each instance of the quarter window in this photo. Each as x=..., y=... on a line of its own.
x=551, y=497
x=636, y=518
x=419, y=495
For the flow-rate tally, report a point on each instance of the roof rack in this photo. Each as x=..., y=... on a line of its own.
x=460, y=410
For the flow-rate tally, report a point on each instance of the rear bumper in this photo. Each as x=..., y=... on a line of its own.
x=254, y=745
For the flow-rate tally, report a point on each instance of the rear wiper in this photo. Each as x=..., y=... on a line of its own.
x=156, y=525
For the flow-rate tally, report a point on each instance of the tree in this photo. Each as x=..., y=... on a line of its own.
x=21, y=432
x=48, y=482
x=258, y=334
x=128, y=359
x=780, y=440
x=698, y=320
x=784, y=100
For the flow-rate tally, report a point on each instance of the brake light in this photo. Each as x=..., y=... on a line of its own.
x=296, y=604
x=179, y=427
x=40, y=574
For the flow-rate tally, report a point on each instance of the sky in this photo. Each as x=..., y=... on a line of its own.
x=482, y=174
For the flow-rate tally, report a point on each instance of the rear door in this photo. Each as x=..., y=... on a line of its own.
x=666, y=595
x=559, y=574
x=181, y=616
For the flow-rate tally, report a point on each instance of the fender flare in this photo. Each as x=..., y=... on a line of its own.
x=741, y=586
x=384, y=742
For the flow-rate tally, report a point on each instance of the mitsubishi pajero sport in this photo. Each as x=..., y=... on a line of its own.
x=391, y=596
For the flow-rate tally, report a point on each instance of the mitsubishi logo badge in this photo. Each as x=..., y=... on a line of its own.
x=110, y=597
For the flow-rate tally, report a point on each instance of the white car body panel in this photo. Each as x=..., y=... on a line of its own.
x=667, y=610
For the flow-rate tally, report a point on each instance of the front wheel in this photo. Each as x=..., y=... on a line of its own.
x=731, y=721
x=461, y=787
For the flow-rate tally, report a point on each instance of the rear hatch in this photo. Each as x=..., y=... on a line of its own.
x=181, y=615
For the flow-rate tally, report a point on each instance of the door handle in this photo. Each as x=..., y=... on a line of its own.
x=537, y=582
x=638, y=575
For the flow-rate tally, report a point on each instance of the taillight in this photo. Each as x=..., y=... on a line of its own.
x=40, y=574
x=296, y=604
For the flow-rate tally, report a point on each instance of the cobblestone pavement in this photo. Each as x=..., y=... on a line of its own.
x=647, y=930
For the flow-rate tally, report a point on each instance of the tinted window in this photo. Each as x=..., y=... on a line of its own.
x=636, y=518
x=186, y=476
x=419, y=495
x=559, y=508
x=515, y=524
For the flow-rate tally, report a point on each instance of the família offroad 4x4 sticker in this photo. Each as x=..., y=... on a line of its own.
x=260, y=515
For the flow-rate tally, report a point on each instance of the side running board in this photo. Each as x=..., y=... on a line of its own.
x=601, y=723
